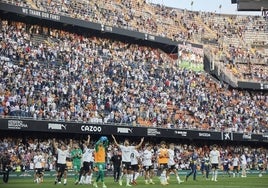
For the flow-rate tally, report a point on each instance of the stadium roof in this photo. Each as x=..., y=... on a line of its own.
x=250, y=5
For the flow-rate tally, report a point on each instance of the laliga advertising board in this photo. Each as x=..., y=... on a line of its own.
x=129, y=131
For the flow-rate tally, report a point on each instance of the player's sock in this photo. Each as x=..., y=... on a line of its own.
x=87, y=179
x=128, y=177
x=163, y=178
x=82, y=180
x=122, y=175
x=80, y=175
x=216, y=175
x=90, y=178
x=131, y=177
x=102, y=176
x=136, y=176
x=76, y=177
x=64, y=181
x=98, y=177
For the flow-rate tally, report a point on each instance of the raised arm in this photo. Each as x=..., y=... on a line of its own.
x=88, y=140
x=139, y=145
x=54, y=143
x=71, y=144
x=116, y=143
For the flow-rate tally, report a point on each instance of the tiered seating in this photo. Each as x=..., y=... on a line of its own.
x=164, y=94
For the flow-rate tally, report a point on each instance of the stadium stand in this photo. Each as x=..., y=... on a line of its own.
x=38, y=55
x=224, y=33
x=59, y=75
x=136, y=84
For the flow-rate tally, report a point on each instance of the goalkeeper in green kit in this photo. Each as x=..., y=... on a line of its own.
x=76, y=155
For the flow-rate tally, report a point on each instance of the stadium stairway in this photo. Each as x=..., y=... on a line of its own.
x=146, y=7
x=209, y=32
x=38, y=39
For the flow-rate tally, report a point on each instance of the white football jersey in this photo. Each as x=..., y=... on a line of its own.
x=147, y=158
x=62, y=155
x=134, y=157
x=171, y=155
x=243, y=159
x=214, y=156
x=126, y=151
x=235, y=161
x=88, y=155
x=38, y=160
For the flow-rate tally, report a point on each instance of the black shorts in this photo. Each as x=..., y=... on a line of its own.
x=87, y=166
x=135, y=167
x=39, y=171
x=226, y=167
x=202, y=167
x=214, y=166
x=171, y=167
x=148, y=168
x=126, y=165
x=163, y=166
x=61, y=167
x=235, y=168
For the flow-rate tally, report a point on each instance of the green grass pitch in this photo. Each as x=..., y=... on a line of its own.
x=252, y=181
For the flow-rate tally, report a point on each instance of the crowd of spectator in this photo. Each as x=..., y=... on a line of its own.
x=237, y=36
x=177, y=24
x=245, y=65
x=71, y=77
x=22, y=150
x=83, y=78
